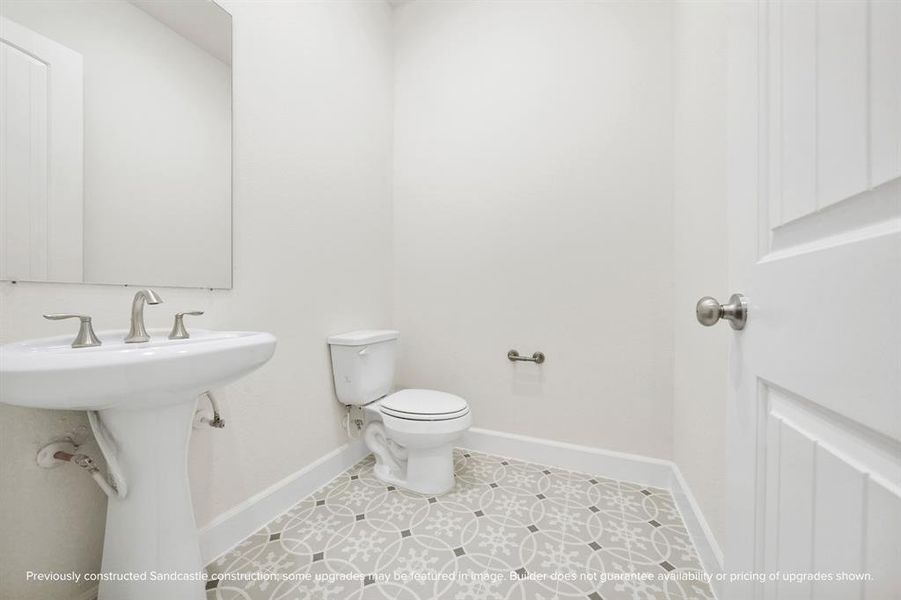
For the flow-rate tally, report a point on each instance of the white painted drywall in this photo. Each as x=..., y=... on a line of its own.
x=533, y=210
x=312, y=258
x=699, y=253
x=157, y=172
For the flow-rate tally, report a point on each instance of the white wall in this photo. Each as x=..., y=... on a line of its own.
x=313, y=155
x=533, y=184
x=537, y=207
x=699, y=253
x=157, y=167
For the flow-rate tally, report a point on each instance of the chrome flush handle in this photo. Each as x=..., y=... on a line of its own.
x=178, y=328
x=85, y=337
x=709, y=311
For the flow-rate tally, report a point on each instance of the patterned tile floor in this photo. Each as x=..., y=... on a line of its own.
x=510, y=530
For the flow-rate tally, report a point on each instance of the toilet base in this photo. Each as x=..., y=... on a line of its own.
x=415, y=456
x=428, y=471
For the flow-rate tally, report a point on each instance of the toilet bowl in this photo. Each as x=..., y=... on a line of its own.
x=411, y=432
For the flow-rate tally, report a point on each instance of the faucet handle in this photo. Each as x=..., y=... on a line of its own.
x=85, y=337
x=178, y=328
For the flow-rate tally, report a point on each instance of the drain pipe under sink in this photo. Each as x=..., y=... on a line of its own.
x=109, y=450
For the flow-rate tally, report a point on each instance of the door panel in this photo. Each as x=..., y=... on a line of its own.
x=827, y=275
x=841, y=101
x=821, y=471
x=839, y=526
x=834, y=102
x=797, y=195
x=882, y=551
x=792, y=527
x=815, y=244
x=885, y=91
x=827, y=312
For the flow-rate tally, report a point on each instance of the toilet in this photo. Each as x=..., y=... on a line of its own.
x=410, y=432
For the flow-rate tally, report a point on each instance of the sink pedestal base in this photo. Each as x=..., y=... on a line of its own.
x=151, y=534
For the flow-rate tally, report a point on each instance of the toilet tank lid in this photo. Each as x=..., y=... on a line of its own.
x=363, y=337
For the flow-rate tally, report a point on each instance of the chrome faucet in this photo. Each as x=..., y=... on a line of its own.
x=137, y=332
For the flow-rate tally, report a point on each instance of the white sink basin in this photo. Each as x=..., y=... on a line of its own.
x=141, y=400
x=49, y=373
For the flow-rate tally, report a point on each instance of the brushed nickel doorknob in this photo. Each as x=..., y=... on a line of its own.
x=709, y=311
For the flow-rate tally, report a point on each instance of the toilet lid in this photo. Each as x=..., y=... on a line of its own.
x=424, y=405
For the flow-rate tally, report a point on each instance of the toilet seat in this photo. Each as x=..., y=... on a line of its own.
x=423, y=405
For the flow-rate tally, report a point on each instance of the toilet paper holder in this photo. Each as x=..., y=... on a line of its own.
x=514, y=356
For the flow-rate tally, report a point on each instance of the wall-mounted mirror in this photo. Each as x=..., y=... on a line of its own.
x=116, y=142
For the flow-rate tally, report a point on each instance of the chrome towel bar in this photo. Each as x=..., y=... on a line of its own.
x=514, y=356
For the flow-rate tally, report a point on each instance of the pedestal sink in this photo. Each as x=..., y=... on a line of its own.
x=141, y=401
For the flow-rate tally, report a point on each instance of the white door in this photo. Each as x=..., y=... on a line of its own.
x=41, y=157
x=815, y=245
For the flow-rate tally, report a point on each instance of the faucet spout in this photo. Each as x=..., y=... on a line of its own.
x=137, y=332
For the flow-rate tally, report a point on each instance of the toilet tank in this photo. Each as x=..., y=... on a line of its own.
x=363, y=364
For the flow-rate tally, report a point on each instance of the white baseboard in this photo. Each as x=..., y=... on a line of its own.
x=709, y=550
x=230, y=528
x=615, y=465
x=654, y=472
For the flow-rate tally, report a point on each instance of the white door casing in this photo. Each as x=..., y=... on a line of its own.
x=814, y=425
x=41, y=144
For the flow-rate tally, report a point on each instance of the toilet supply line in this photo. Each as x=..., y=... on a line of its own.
x=356, y=431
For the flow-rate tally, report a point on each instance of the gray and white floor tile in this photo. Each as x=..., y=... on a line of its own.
x=510, y=530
